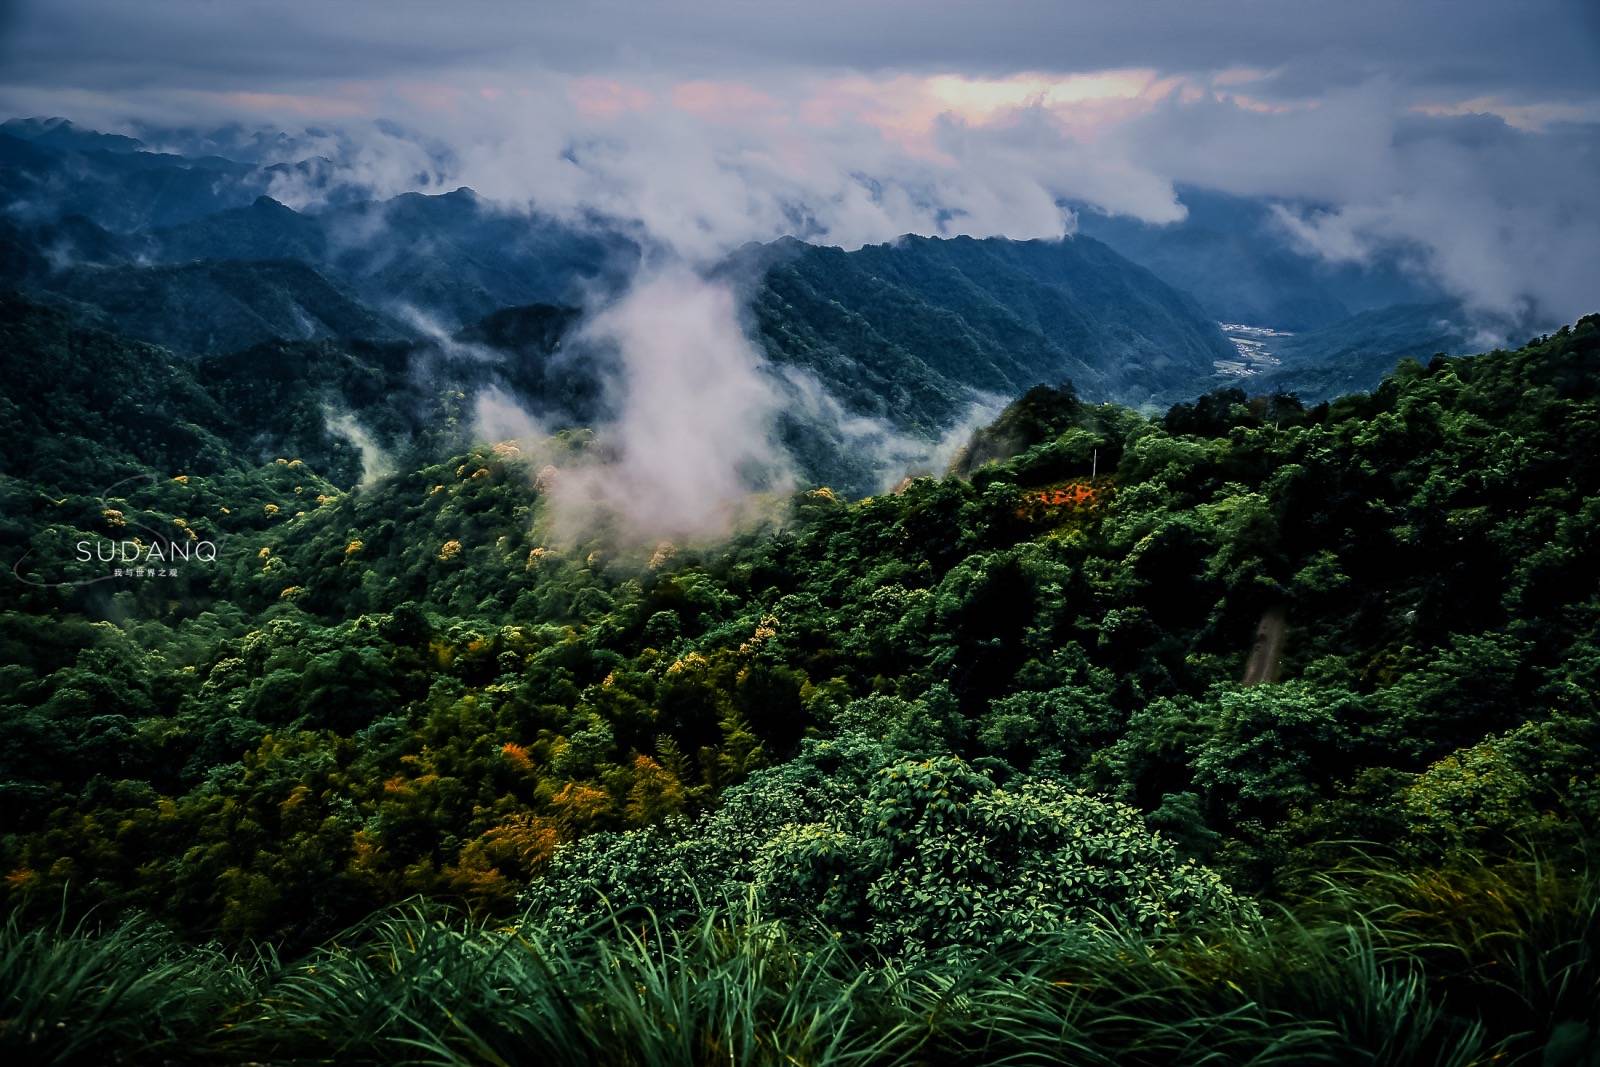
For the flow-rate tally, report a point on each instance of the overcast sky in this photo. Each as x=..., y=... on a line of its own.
x=1468, y=130
x=1525, y=51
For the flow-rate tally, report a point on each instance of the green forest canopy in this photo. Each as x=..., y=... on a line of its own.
x=976, y=712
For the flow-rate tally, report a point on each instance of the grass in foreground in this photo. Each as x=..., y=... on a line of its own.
x=1479, y=966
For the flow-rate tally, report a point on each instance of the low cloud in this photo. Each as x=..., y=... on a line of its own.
x=375, y=462
x=1493, y=211
x=499, y=416
x=1481, y=183
x=690, y=449
x=1499, y=217
x=873, y=444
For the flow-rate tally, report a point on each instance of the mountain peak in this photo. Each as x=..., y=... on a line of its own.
x=58, y=132
x=33, y=127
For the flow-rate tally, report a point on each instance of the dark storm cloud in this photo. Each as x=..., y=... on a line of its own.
x=1544, y=48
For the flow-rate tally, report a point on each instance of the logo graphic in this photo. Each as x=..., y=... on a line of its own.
x=156, y=555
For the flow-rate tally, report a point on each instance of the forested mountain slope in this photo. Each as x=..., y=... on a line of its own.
x=1243, y=263
x=206, y=260
x=422, y=678
x=911, y=329
x=1355, y=353
x=91, y=405
x=223, y=305
x=339, y=724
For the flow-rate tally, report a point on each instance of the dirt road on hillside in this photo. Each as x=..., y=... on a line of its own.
x=1266, y=656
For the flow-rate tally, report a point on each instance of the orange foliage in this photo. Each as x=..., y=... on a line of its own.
x=1071, y=497
x=656, y=792
x=474, y=877
x=521, y=842
x=368, y=863
x=517, y=756
x=297, y=796
x=580, y=807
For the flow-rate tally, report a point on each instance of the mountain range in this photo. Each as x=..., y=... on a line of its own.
x=1238, y=258
x=193, y=253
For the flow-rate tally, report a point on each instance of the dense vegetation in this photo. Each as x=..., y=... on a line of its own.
x=950, y=774
x=909, y=330
x=1354, y=354
x=1404, y=971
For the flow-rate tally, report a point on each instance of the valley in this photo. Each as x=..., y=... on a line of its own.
x=1255, y=346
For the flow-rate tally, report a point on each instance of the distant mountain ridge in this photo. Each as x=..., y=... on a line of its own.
x=453, y=256
x=1235, y=256
x=59, y=133
x=1354, y=355
x=913, y=330
x=194, y=253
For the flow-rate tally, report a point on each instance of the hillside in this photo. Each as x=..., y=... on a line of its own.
x=148, y=405
x=1355, y=353
x=221, y=306
x=410, y=689
x=86, y=407
x=1243, y=264
x=435, y=634
x=453, y=257
x=912, y=330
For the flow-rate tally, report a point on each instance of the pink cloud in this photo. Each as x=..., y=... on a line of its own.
x=604, y=98
x=907, y=109
x=721, y=100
